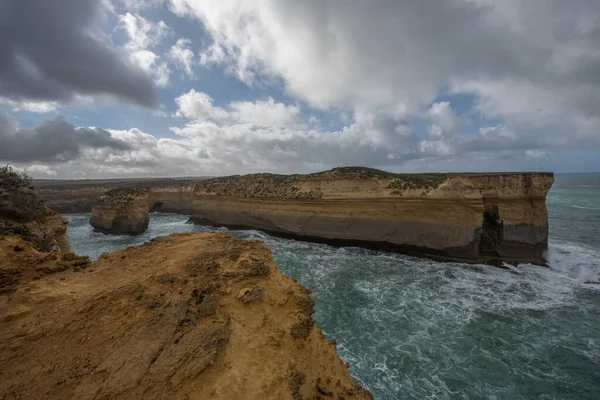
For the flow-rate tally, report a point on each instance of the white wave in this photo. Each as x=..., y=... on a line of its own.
x=575, y=261
x=586, y=208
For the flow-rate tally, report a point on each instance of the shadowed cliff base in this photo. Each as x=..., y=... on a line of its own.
x=468, y=217
x=458, y=254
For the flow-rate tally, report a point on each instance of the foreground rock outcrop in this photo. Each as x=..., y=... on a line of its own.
x=467, y=217
x=121, y=211
x=188, y=316
x=24, y=214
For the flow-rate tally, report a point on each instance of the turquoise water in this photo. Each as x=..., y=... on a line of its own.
x=418, y=329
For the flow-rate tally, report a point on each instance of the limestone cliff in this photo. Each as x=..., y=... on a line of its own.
x=493, y=217
x=188, y=316
x=121, y=211
x=469, y=217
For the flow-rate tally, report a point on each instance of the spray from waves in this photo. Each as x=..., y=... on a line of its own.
x=414, y=328
x=577, y=262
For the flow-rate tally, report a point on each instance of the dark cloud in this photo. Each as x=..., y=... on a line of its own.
x=50, y=50
x=54, y=140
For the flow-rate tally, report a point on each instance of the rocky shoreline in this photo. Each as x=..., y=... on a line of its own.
x=186, y=316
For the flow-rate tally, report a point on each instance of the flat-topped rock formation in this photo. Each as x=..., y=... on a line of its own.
x=187, y=316
x=467, y=217
x=121, y=211
x=488, y=218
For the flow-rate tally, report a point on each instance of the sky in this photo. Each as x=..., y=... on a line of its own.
x=158, y=88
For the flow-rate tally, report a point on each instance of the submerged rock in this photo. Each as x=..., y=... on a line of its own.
x=121, y=211
x=163, y=320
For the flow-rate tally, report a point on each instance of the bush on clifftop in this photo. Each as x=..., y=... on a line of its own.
x=18, y=201
x=11, y=178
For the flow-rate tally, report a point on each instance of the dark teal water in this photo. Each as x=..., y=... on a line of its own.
x=419, y=329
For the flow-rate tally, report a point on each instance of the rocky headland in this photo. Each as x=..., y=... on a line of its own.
x=121, y=211
x=466, y=217
x=187, y=316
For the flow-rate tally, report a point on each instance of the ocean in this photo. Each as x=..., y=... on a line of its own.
x=413, y=328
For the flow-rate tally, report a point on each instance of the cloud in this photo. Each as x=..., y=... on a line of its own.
x=141, y=32
x=199, y=106
x=54, y=140
x=532, y=66
x=30, y=106
x=537, y=153
x=389, y=83
x=55, y=50
x=183, y=56
x=258, y=136
x=143, y=35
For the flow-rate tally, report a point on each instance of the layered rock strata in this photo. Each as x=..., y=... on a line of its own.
x=121, y=211
x=489, y=218
x=467, y=217
x=188, y=316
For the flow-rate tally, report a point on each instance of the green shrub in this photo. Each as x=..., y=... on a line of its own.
x=10, y=178
x=20, y=230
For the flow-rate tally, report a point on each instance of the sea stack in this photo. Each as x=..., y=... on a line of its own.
x=121, y=211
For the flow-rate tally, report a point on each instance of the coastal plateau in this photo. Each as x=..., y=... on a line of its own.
x=467, y=217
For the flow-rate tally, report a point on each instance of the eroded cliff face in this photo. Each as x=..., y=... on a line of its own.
x=489, y=218
x=187, y=316
x=121, y=211
x=480, y=217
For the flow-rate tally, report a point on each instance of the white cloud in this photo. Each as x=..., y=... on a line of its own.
x=445, y=120
x=537, y=153
x=265, y=135
x=199, y=106
x=40, y=171
x=183, y=56
x=30, y=106
x=212, y=55
x=144, y=35
x=141, y=33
